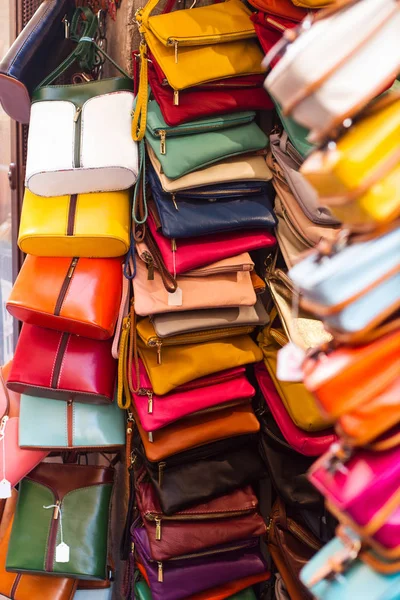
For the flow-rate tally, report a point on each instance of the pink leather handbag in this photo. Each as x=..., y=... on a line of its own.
x=17, y=461
x=192, y=253
x=309, y=444
x=364, y=493
x=212, y=291
x=218, y=390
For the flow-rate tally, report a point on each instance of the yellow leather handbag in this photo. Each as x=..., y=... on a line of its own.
x=85, y=225
x=359, y=179
x=299, y=403
x=186, y=46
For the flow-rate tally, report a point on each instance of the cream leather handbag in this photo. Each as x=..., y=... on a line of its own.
x=335, y=67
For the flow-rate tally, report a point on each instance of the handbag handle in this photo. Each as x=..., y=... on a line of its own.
x=85, y=50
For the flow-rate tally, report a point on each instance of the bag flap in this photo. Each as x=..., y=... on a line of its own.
x=9, y=400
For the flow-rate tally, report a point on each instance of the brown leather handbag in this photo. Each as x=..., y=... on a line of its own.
x=291, y=546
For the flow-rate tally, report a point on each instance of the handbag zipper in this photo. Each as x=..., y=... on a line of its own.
x=157, y=518
x=65, y=286
x=77, y=137
x=228, y=193
x=162, y=133
x=70, y=416
x=207, y=39
x=59, y=359
x=154, y=254
x=52, y=539
x=149, y=394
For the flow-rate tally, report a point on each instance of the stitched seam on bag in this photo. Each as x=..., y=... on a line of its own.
x=28, y=39
x=63, y=360
x=86, y=169
x=54, y=363
x=40, y=485
x=92, y=325
x=42, y=387
x=66, y=423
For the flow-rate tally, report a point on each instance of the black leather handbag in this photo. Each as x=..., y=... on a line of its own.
x=35, y=53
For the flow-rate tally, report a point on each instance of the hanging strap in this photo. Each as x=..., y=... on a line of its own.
x=83, y=28
x=140, y=115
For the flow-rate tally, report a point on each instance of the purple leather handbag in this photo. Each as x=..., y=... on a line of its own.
x=179, y=578
x=363, y=492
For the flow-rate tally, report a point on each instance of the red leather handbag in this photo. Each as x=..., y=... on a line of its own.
x=215, y=98
x=15, y=462
x=309, y=444
x=50, y=364
x=269, y=29
x=281, y=8
x=76, y=295
x=192, y=253
x=225, y=519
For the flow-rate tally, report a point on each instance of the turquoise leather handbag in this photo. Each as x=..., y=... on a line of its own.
x=358, y=582
x=197, y=144
x=62, y=425
x=297, y=133
x=354, y=290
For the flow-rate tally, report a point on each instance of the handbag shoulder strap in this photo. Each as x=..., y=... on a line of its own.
x=83, y=28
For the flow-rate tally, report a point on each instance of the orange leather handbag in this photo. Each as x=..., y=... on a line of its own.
x=74, y=295
x=350, y=377
x=199, y=430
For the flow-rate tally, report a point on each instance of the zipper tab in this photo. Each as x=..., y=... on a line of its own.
x=174, y=201
x=158, y=529
x=148, y=259
x=150, y=436
x=3, y=424
x=176, y=98
x=159, y=344
x=163, y=144
x=176, y=51
x=173, y=245
x=160, y=572
x=150, y=402
x=77, y=114
x=72, y=268
x=56, y=512
x=161, y=468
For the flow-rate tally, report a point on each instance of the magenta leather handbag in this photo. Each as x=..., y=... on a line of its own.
x=364, y=493
x=309, y=444
x=201, y=394
x=192, y=253
x=187, y=575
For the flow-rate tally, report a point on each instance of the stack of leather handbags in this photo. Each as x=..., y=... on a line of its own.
x=57, y=395
x=351, y=285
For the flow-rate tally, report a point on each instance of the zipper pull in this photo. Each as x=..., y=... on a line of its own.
x=161, y=468
x=176, y=51
x=150, y=436
x=174, y=201
x=163, y=143
x=176, y=98
x=158, y=529
x=160, y=572
x=173, y=245
x=77, y=114
x=148, y=259
x=67, y=26
x=3, y=424
x=159, y=344
x=56, y=512
x=149, y=402
x=72, y=268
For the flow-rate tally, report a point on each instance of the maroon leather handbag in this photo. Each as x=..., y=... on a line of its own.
x=218, y=97
x=62, y=366
x=223, y=520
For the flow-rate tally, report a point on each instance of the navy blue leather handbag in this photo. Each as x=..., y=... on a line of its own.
x=243, y=205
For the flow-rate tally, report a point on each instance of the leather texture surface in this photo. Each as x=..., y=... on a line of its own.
x=192, y=253
x=28, y=587
x=46, y=423
x=269, y=29
x=84, y=494
x=32, y=56
x=310, y=444
x=202, y=573
x=68, y=156
x=230, y=518
x=358, y=579
x=182, y=364
x=198, y=430
x=280, y=8
x=90, y=304
x=62, y=366
x=101, y=225
x=17, y=461
x=179, y=404
x=226, y=289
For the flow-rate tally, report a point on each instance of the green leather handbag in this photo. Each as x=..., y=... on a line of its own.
x=296, y=133
x=60, y=425
x=197, y=144
x=61, y=521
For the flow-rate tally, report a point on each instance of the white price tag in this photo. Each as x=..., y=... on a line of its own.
x=62, y=553
x=175, y=299
x=289, y=362
x=5, y=489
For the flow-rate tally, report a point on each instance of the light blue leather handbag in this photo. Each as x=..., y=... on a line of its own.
x=358, y=582
x=57, y=424
x=353, y=290
x=101, y=594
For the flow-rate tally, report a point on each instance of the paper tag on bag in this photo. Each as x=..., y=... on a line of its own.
x=5, y=489
x=289, y=362
x=62, y=553
x=175, y=299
